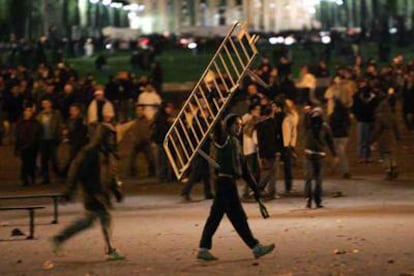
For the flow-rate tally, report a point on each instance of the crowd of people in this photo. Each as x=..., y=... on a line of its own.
x=272, y=112
x=45, y=106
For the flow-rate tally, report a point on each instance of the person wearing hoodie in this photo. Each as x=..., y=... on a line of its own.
x=317, y=137
x=227, y=201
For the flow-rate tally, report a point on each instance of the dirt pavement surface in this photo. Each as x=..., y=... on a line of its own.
x=366, y=231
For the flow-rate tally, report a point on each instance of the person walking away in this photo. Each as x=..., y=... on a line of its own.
x=28, y=133
x=317, y=137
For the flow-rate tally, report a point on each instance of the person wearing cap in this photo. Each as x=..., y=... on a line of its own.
x=317, y=137
x=98, y=106
x=227, y=201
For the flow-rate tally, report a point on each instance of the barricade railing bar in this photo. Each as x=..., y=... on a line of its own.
x=210, y=97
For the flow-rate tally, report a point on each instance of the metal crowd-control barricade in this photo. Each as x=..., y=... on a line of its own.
x=210, y=97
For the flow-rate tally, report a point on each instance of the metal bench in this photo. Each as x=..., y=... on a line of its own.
x=31, y=210
x=54, y=197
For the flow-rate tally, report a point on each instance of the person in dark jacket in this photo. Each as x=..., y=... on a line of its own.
x=76, y=132
x=28, y=131
x=51, y=122
x=268, y=152
x=162, y=123
x=227, y=201
x=340, y=123
x=141, y=131
x=200, y=168
x=363, y=108
x=87, y=170
x=386, y=133
x=317, y=137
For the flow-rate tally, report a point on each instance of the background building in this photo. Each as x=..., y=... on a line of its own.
x=32, y=18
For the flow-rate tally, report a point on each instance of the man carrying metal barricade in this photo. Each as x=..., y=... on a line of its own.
x=185, y=139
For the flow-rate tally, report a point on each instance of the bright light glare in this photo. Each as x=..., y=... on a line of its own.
x=289, y=40
x=192, y=45
x=116, y=5
x=93, y=1
x=106, y=2
x=326, y=39
x=134, y=7
x=393, y=30
x=273, y=40
x=108, y=46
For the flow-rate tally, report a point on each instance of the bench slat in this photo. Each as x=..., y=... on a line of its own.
x=29, y=196
x=21, y=208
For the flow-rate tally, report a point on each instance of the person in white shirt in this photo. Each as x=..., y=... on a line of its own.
x=151, y=101
x=249, y=121
x=99, y=106
x=307, y=83
x=341, y=90
x=290, y=134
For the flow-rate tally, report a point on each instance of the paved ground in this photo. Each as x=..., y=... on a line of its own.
x=371, y=226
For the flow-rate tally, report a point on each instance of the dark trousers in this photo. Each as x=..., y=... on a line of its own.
x=287, y=168
x=227, y=202
x=48, y=153
x=73, y=150
x=28, y=166
x=146, y=149
x=313, y=171
x=86, y=222
x=200, y=171
x=164, y=171
x=269, y=173
x=252, y=163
